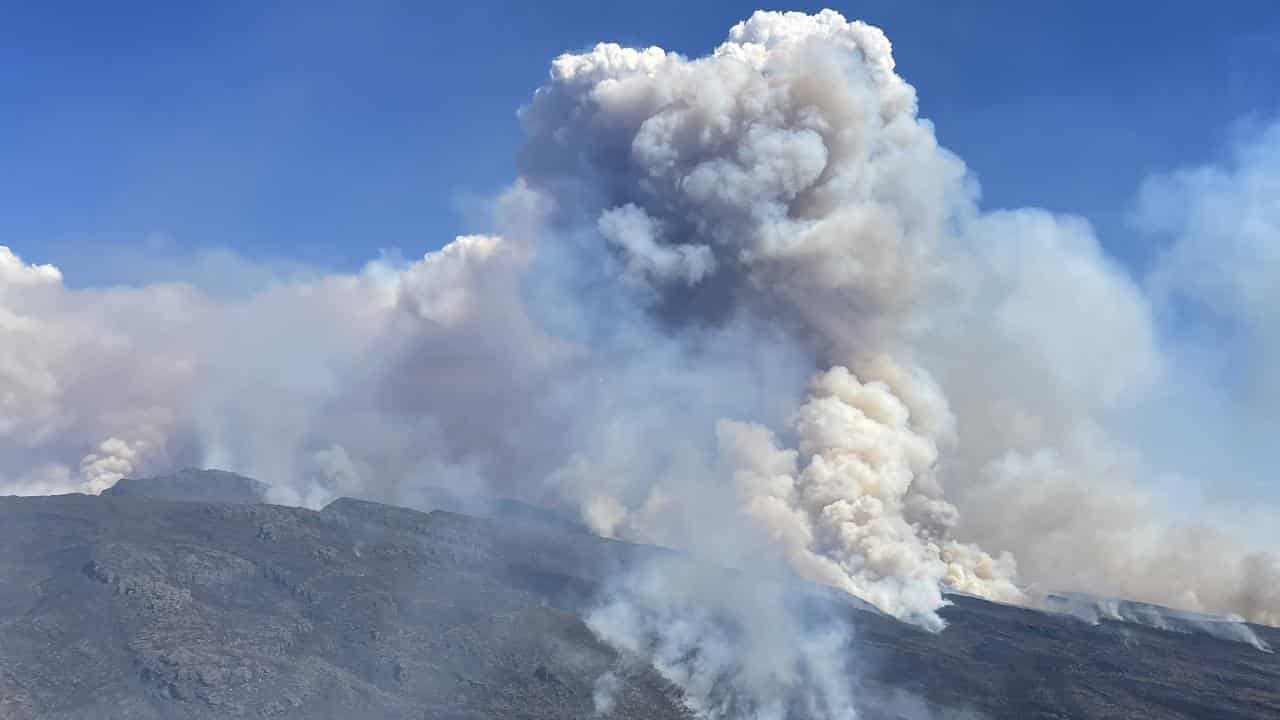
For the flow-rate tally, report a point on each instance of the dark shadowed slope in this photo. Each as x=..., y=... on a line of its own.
x=132, y=606
x=194, y=485
x=141, y=608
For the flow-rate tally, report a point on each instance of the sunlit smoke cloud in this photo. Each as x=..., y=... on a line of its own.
x=857, y=507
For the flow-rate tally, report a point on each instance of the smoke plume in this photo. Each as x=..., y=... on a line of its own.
x=858, y=507
x=742, y=304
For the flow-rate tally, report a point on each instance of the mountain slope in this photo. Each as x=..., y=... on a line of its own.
x=135, y=606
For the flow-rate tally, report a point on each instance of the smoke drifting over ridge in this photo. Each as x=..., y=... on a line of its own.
x=743, y=304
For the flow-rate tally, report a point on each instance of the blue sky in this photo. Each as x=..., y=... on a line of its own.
x=322, y=132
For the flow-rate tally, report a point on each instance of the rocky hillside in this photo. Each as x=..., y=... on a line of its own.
x=135, y=604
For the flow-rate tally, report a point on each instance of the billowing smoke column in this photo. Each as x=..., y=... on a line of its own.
x=744, y=305
x=858, y=507
x=786, y=175
x=786, y=178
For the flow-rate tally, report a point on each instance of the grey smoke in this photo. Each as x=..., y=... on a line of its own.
x=737, y=646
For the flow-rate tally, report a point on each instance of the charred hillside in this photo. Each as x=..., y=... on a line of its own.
x=131, y=605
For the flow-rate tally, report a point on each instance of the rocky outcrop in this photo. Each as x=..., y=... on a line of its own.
x=195, y=486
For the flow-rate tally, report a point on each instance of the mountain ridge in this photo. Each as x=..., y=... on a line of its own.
x=127, y=605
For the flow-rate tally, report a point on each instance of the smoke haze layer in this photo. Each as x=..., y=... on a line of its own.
x=742, y=304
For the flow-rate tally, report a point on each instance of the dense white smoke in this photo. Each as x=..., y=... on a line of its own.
x=858, y=507
x=689, y=243
x=787, y=179
x=785, y=175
